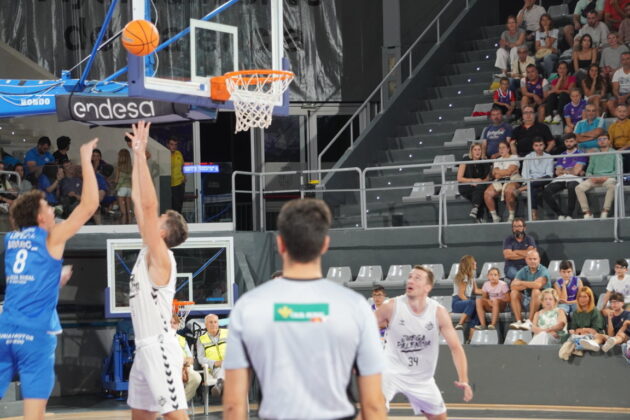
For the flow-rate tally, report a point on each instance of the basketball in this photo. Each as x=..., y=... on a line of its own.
x=140, y=37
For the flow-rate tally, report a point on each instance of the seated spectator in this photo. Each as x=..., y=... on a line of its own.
x=504, y=169
x=191, y=378
x=100, y=166
x=619, y=134
x=559, y=94
x=495, y=295
x=471, y=178
x=122, y=180
x=70, y=188
x=518, y=68
x=567, y=287
x=624, y=27
x=525, y=290
x=585, y=323
x=582, y=7
x=618, y=283
x=504, y=99
x=523, y=135
x=584, y=55
x=494, y=134
x=538, y=169
x=620, y=85
x=597, y=30
x=588, y=130
x=63, y=146
x=464, y=289
x=610, y=60
x=546, y=45
x=15, y=188
x=569, y=168
x=534, y=91
x=550, y=323
x=613, y=13
x=379, y=296
x=49, y=181
x=529, y=17
x=603, y=169
x=594, y=87
x=211, y=351
x=573, y=111
x=38, y=156
x=512, y=38
x=516, y=247
x=616, y=327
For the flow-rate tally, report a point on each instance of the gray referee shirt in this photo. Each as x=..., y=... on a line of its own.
x=302, y=338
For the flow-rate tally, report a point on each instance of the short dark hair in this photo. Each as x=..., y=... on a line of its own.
x=566, y=265
x=427, y=270
x=98, y=151
x=25, y=209
x=622, y=262
x=176, y=140
x=63, y=142
x=568, y=136
x=303, y=226
x=616, y=296
x=519, y=219
x=538, y=140
x=379, y=288
x=504, y=79
x=531, y=65
x=176, y=229
x=592, y=12
x=43, y=140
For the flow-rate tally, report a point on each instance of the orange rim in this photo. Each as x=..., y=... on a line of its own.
x=252, y=77
x=179, y=303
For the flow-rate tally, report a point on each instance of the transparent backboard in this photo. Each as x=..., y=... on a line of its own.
x=222, y=36
x=205, y=274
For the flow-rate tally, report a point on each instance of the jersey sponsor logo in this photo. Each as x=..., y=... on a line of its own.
x=300, y=312
x=412, y=343
x=16, y=338
x=429, y=326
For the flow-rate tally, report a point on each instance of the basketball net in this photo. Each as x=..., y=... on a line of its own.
x=182, y=309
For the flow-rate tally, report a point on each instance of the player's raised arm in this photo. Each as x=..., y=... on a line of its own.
x=457, y=351
x=63, y=231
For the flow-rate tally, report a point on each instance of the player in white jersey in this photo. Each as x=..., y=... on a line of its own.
x=155, y=381
x=414, y=323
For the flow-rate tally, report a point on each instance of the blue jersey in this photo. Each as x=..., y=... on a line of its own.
x=33, y=278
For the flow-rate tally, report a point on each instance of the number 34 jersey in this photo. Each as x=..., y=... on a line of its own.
x=33, y=278
x=413, y=340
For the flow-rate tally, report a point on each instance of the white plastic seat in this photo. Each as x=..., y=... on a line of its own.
x=488, y=265
x=554, y=269
x=513, y=335
x=446, y=301
x=369, y=274
x=435, y=169
x=339, y=275
x=460, y=335
x=437, y=269
x=463, y=135
x=485, y=337
x=558, y=10
x=397, y=274
x=421, y=191
x=595, y=271
x=452, y=273
x=449, y=190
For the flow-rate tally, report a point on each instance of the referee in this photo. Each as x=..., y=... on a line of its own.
x=303, y=335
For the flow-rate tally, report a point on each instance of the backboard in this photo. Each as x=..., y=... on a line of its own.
x=205, y=274
x=219, y=36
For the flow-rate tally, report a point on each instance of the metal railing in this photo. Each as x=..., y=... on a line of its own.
x=377, y=97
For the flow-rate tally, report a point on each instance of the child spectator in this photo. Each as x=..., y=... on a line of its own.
x=617, y=321
x=619, y=283
x=550, y=322
x=594, y=87
x=567, y=287
x=573, y=110
x=495, y=294
x=379, y=296
x=49, y=181
x=586, y=322
x=122, y=180
x=63, y=146
x=504, y=98
x=464, y=287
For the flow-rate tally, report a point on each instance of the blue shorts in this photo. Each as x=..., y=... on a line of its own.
x=32, y=356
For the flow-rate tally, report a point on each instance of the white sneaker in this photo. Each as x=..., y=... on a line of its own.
x=604, y=215
x=556, y=119
x=589, y=344
x=561, y=217
x=496, y=219
x=588, y=216
x=547, y=119
x=510, y=218
x=516, y=325
x=527, y=325
x=609, y=344
x=568, y=218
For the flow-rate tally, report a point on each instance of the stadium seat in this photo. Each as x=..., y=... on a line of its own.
x=368, y=275
x=339, y=275
x=461, y=137
x=595, y=271
x=451, y=275
x=460, y=335
x=513, y=335
x=485, y=337
x=449, y=190
x=421, y=191
x=558, y=10
x=487, y=266
x=436, y=169
x=446, y=301
x=397, y=274
x=438, y=271
x=554, y=269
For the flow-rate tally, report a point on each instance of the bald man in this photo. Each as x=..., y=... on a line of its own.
x=211, y=351
x=526, y=287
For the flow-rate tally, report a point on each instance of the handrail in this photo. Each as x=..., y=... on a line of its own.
x=379, y=87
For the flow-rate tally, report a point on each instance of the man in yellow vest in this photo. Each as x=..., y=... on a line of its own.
x=178, y=180
x=192, y=379
x=211, y=351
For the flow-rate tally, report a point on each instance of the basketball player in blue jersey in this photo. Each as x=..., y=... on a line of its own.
x=155, y=380
x=33, y=266
x=414, y=323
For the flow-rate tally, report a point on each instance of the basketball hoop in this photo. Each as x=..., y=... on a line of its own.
x=254, y=94
x=182, y=308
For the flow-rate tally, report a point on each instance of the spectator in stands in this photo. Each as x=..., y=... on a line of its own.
x=569, y=168
x=540, y=170
x=493, y=134
x=594, y=87
x=8, y=159
x=518, y=68
x=618, y=283
x=613, y=13
x=597, y=30
x=100, y=166
x=534, y=91
x=624, y=27
x=471, y=178
x=516, y=247
x=379, y=296
x=588, y=130
x=620, y=85
x=585, y=323
x=178, y=180
x=616, y=327
x=504, y=99
x=48, y=182
x=511, y=39
x=559, y=94
x=546, y=45
x=550, y=323
x=70, y=188
x=523, y=135
x=16, y=188
x=211, y=351
x=495, y=295
x=529, y=17
x=63, y=146
x=582, y=7
x=573, y=111
x=191, y=378
x=504, y=169
x=105, y=199
x=38, y=156
x=525, y=289
x=610, y=60
x=584, y=54
x=603, y=170
x=619, y=134
x=122, y=180
x=464, y=289
x=567, y=287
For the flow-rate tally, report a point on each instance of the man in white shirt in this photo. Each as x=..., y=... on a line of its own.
x=595, y=28
x=536, y=168
x=620, y=85
x=529, y=17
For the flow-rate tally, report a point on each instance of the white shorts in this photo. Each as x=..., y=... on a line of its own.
x=123, y=192
x=155, y=380
x=424, y=396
